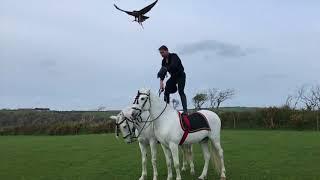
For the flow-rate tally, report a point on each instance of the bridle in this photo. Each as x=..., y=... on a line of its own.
x=135, y=122
x=138, y=118
x=124, y=120
x=136, y=101
x=127, y=120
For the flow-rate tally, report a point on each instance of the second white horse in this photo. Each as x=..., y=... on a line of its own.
x=144, y=133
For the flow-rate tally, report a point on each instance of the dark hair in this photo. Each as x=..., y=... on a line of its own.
x=163, y=47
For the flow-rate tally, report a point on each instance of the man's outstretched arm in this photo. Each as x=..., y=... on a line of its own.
x=162, y=74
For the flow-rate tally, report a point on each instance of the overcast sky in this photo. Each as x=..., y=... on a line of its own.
x=80, y=54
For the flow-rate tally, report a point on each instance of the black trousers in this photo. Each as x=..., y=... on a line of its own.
x=171, y=88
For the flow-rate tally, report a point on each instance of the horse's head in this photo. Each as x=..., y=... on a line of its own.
x=141, y=103
x=125, y=125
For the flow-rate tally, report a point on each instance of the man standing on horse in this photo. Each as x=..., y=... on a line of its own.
x=171, y=63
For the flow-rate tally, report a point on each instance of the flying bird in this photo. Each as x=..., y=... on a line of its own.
x=139, y=16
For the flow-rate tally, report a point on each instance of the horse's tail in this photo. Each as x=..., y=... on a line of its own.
x=215, y=125
x=215, y=158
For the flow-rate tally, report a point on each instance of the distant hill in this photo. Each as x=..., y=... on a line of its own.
x=238, y=109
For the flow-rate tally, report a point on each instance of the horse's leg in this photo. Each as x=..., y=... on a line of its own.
x=167, y=154
x=143, y=150
x=219, y=152
x=184, y=157
x=206, y=155
x=175, y=155
x=190, y=159
x=153, y=146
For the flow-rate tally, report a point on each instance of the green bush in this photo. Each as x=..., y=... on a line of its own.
x=77, y=122
x=269, y=118
x=29, y=122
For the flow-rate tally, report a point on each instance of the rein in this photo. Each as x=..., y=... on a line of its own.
x=140, y=110
x=136, y=101
x=131, y=131
x=147, y=121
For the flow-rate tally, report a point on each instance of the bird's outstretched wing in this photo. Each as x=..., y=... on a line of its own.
x=148, y=8
x=128, y=12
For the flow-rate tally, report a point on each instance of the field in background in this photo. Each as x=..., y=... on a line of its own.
x=248, y=155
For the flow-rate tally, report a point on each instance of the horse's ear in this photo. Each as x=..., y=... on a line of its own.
x=148, y=91
x=114, y=117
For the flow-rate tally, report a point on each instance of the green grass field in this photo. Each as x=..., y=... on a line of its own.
x=248, y=155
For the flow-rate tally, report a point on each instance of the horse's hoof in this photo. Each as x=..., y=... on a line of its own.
x=202, y=177
x=183, y=169
x=155, y=177
x=223, y=178
x=142, y=178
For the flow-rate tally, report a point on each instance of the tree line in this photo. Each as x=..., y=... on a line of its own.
x=300, y=111
x=32, y=122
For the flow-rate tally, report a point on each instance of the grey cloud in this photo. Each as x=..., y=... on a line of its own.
x=216, y=47
x=273, y=76
x=48, y=63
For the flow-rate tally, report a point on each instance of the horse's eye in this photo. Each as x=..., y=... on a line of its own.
x=142, y=99
x=125, y=127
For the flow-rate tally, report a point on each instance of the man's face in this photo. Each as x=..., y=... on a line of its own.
x=164, y=53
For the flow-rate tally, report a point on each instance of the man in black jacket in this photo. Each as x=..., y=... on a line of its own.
x=171, y=63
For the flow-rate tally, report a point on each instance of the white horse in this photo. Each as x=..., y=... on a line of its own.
x=168, y=132
x=145, y=135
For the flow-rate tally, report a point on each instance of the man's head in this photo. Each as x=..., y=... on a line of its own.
x=164, y=51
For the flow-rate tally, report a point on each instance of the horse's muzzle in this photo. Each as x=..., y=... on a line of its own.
x=135, y=113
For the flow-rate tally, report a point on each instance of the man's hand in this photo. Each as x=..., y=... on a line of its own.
x=161, y=85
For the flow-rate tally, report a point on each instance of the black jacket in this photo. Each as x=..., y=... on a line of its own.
x=174, y=66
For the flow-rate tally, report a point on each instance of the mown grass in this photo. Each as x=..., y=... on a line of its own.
x=248, y=155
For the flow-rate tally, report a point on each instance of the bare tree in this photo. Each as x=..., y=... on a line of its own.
x=175, y=103
x=298, y=96
x=212, y=97
x=309, y=99
x=316, y=96
x=199, y=99
x=224, y=95
x=288, y=103
x=315, y=91
x=305, y=97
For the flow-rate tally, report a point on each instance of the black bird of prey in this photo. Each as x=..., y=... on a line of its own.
x=139, y=16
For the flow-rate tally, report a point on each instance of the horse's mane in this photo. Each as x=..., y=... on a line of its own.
x=156, y=97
